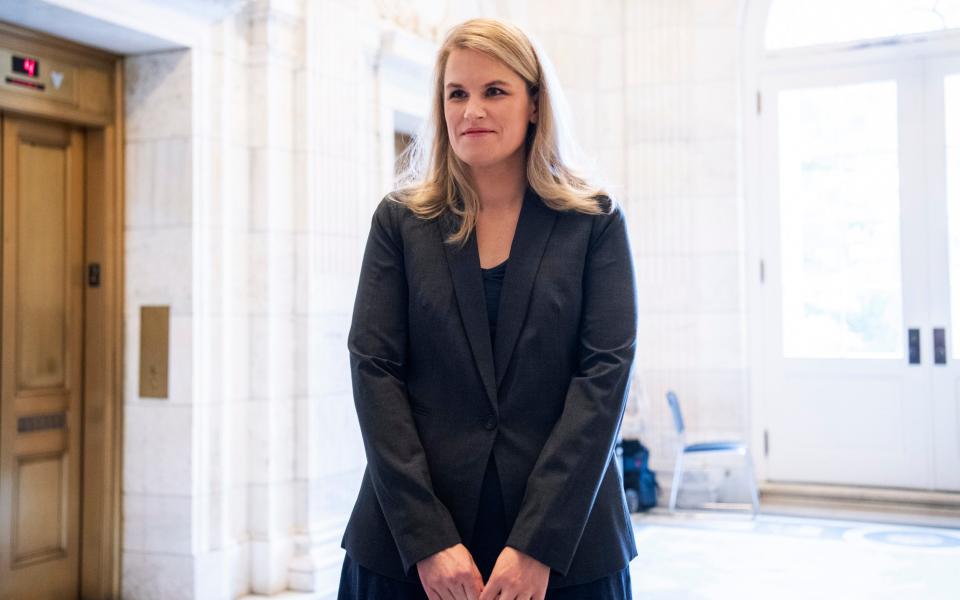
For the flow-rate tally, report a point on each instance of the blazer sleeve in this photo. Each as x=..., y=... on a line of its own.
x=564, y=482
x=419, y=522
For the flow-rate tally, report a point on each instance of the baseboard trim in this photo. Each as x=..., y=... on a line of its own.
x=860, y=494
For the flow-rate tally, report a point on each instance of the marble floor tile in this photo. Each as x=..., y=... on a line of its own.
x=721, y=556
x=727, y=556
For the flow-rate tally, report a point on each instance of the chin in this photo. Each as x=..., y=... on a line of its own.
x=478, y=162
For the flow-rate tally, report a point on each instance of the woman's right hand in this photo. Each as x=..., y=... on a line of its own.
x=450, y=574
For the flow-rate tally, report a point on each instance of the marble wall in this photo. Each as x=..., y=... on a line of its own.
x=682, y=148
x=252, y=174
x=158, y=482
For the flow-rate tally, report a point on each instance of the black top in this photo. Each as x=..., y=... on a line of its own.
x=492, y=284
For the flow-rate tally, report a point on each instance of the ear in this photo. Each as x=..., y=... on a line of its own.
x=534, y=101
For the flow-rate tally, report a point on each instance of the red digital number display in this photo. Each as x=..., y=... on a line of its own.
x=26, y=66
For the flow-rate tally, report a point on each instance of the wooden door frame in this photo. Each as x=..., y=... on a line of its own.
x=101, y=523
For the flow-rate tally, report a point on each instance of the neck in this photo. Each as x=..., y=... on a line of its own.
x=501, y=186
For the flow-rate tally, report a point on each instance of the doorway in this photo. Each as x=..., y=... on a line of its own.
x=41, y=353
x=60, y=318
x=861, y=250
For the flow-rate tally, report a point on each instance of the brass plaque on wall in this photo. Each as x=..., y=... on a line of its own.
x=154, y=350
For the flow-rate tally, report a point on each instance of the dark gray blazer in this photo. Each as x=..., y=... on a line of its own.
x=434, y=398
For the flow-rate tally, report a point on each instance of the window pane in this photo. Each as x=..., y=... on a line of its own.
x=840, y=221
x=793, y=23
x=951, y=86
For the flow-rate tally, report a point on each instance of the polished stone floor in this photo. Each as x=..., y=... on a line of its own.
x=720, y=555
x=716, y=556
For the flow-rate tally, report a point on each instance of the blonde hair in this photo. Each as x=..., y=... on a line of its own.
x=434, y=180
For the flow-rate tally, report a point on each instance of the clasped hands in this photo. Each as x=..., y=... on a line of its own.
x=451, y=574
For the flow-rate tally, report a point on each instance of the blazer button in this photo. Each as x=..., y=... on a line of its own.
x=491, y=423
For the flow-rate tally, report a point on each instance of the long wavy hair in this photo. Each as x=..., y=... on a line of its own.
x=434, y=180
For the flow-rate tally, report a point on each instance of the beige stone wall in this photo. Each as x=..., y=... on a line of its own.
x=683, y=158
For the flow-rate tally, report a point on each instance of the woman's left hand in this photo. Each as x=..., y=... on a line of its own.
x=516, y=575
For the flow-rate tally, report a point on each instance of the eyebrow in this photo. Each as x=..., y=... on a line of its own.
x=494, y=82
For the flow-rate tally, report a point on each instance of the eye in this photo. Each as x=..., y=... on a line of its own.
x=489, y=89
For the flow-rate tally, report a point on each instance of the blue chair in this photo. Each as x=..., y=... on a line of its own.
x=724, y=446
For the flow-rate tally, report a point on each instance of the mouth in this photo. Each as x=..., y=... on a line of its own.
x=476, y=133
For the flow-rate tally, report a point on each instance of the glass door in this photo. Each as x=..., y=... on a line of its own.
x=849, y=299
x=942, y=77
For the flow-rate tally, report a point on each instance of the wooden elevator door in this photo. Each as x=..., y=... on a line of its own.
x=41, y=362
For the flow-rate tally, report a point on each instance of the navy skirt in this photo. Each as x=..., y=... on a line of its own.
x=490, y=535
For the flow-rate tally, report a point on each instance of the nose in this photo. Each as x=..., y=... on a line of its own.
x=473, y=110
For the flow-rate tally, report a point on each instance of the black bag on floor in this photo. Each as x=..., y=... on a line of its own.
x=639, y=482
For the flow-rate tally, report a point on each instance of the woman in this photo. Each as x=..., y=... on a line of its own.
x=491, y=348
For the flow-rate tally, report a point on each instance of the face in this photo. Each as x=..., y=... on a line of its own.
x=486, y=107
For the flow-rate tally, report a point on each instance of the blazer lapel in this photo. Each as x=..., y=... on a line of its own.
x=464, y=266
x=529, y=241
x=534, y=226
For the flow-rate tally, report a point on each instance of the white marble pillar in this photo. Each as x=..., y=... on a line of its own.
x=682, y=143
x=274, y=54
x=336, y=147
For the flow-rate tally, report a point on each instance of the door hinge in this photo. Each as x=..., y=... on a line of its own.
x=766, y=443
x=759, y=102
x=762, y=274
